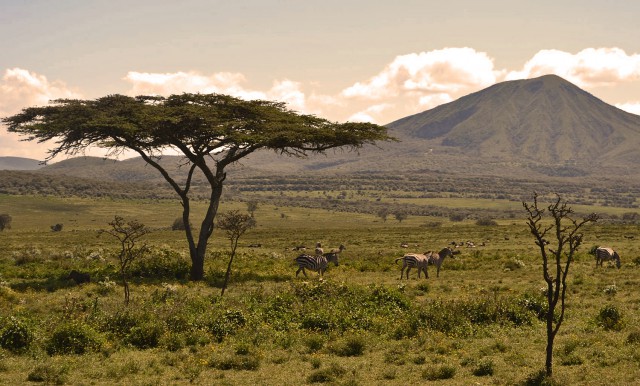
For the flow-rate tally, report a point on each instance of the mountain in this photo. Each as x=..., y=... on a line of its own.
x=541, y=122
x=533, y=128
x=19, y=163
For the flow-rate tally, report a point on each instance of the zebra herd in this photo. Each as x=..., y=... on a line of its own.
x=321, y=260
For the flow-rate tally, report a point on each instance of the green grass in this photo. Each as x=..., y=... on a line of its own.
x=477, y=323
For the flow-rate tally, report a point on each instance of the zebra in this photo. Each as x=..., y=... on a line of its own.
x=422, y=261
x=319, y=250
x=417, y=260
x=334, y=251
x=316, y=263
x=606, y=254
x=437, y=258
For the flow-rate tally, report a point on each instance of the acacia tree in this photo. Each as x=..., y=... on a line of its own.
x=557, y=256
x=211, y=131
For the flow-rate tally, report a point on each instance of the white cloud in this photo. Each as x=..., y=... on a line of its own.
x=371, y=114
x=21, y=88
x=144, y=83
x=590, y=67
x=449, y=70
x=630, y=107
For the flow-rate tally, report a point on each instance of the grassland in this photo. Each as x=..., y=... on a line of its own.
x=475, y=324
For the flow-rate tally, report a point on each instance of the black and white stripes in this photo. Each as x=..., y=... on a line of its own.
x=317, y=263
x=606, y=254
x=422, y=261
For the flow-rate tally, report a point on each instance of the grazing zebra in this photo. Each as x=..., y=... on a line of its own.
x=316, y=263
x=606, y=254
x=437, y=258
x=417, y=260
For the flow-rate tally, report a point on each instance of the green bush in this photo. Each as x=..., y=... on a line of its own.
x=49, y=374
x=160, y=263
x=146, y=335
x=16, y=335
x=483, y=368
x=610, y=318
x=73, y=338
x=436, y=372
x=633, y=337
x=349, y=347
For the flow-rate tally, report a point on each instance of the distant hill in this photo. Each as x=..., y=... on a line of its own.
x=19, y=163
x=541, y=123
x=533, y=128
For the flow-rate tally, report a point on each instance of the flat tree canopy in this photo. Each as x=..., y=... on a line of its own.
x=210, y=130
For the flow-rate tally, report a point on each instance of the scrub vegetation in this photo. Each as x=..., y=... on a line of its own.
x=481, y=322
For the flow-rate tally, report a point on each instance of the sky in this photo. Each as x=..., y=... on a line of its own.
x=344, y=60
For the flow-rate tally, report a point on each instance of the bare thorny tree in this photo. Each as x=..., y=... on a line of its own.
x=127, y=234
x=557, y=256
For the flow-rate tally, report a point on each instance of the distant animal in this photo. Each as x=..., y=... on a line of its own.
x=299, y=248
x=78, y=277
x=317, y=263
x=255, y=245
x=319, y=250
x=607, y=254
x=335, y=252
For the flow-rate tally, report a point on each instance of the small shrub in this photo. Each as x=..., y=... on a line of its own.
x=610, y=318
x=437, y=372
x=486, y=222
x=483, y=368
x=73, y=338
x=314, y=342
x=539, y=378
x=178, y=224
x=349, y=347
x=610, y=290
x=16, y=335
x=513, y=264
x=160, y=263
x=49, y=374
x=633, y=337
x=145, y=336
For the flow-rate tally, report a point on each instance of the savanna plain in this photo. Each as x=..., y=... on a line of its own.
x=478, y=323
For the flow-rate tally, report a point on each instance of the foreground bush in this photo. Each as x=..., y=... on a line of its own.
x=73, y=338
x=16, y=335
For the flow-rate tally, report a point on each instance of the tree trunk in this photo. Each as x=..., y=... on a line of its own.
x=198, y=253
x=548, y=365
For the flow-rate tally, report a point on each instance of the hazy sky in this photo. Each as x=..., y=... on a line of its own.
x=366, y=60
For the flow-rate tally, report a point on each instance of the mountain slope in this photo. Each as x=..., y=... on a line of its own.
x=534, y=127
x=19, y=163
x=545, y=120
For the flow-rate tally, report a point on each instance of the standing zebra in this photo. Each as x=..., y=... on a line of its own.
x=417, y=260
x=437, y=258
x=606, y=254
x=316, y=263
x=421, y=262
